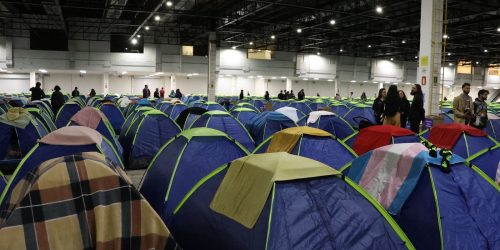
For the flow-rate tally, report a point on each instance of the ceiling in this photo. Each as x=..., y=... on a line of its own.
x=358, y=30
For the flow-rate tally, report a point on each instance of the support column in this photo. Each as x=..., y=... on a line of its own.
x=431, y=44
x=173, y=83
x=380, y=85
x=212, y=74
x=105, y=83
x=32, y=79
x=288, y=84
x=234, y=85
x=336, y=82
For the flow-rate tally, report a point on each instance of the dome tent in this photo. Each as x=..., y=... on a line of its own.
x=266, y=124
x=67, y=111
x=244, y=115
x=330, y=122
x=219, y=216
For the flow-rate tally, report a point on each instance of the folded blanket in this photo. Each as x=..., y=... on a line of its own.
x=17, y=117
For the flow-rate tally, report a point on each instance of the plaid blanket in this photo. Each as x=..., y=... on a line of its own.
x=80, y=202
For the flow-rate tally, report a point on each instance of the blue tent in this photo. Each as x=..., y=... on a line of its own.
x=64, y=141
x=318, y=104
x=175, y=110
x=114, y=115
x=3, y=183
x=461, y=139
x=93, y=118
x=224, y=122
x=244, y=115
x=245, y=105
x=292, y=113
x=182, y=163
x=209, y=106
x=340, y=109
x=317, y=209
x=302, y=106
x=331, y=123
x=439, y=203
x=359, y=112
x=67, y=111
x=162, y=106
x=266, y=124
x=42, y=116
x=488, y=160
x=132, y=117
x=493, y=128
x=309, y=142
x=145, y=137
x=259, y=104
x=46, y=107
x=188, y=116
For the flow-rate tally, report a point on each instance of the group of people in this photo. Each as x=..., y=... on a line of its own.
x=391, y=107
x=57, y=97
x=468, y=112
x=146, y=93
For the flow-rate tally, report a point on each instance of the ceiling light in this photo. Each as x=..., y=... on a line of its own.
x=146, y=28
x=353, y=80
x=369, y=46
x=330, y=80
x=449, y=53
x=299, y=30
x=416, y=57
x=138, y=36
x=375, y=82
x=169, y=3
x=477, y=62
x=365, y=81
x=134, y=41
x=495, y=88
x=305, y=79
x=251, y=43
x=157, y=18
x=259, y=76
x=485, y=51
x=395, y=83
x=408, y=83
x=83, y=71
x=195, y=74
x=379, y=9
x=387, y=82
x=404, y=41
x=445, y=36
x=341, y=50
x=188, y=75
x=392, y=59
x=250, y=77
x=498, y=29
x=332, y=22
x=274, y=77
x=318, y=53
x=229, y=75
x=124, y=72
x=43, y=70
x=450, y=64
x=273, y=37
x=234, y=47
x=316, y=78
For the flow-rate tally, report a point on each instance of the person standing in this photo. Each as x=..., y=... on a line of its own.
x=75, y=92
x=292, y=95
x=462, y=106
x=156, y=94
x=281, y=95
x=57, y=99
x=162, y=93
x=404, y=109
x=37, y=92
x=242, y=95
x=301, y=95
x=266, y=96
x=351, y=97
x=417, y=111
x=378, y=105
x=337, y=97
x=363, y=97
x=92, y=93
x=480, y=110
x=146, y=92
x=392, y=106
x=178, y=94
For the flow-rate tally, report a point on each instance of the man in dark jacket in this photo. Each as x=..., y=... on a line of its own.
x=301, y=95
x=378, y=105
x=281, y=96
x=417, y=111
x=480, y=110
x=37, y=92
x=156, y=94
x=75, y=92
x=145, y=92
x=57, y=99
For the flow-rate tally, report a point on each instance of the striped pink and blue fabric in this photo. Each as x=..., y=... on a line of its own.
x=390, y=173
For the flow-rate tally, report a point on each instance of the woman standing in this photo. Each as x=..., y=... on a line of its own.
x=404, y=109
x=378, y=105
x=392, y=107
x=57, y=99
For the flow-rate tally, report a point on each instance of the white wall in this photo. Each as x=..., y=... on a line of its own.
x=14, y=83
x=68, y=82
x=192, y=85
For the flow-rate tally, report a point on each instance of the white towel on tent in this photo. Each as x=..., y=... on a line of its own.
x=289, y=112
x=497, y=177
x=315, y=115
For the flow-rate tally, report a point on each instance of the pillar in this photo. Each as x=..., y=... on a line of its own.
x=105, y=83
x=173, y=83
x=431, y=43
x=336, y=82
x=212, y=74
x=32, y=79
x=288, y=84
x=380, y=85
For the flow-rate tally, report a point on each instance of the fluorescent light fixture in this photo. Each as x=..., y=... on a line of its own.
x=157, y=18
x=195, y=74
x=449, y=54
x=124, y=72
x=305, y=79
x=498, y=29
x=477, y=62
x=485, y=51
x=146, y=28
x=318, y=53
x=445, y=36
x=259, y=76
x=341, y=50
x=353, y=80
x=138, y=36
x=416, y=57
x=234, y=47
x=274, y=77
x=299, y=30
x=375, y=82
x=450, y=64
x=332, y=22
x=250, y=77
x=395, y=83
x=404, y=41
x=229, y=75
x=408, y=83
x=189, y=75
x=369, y=45
x=251, y=43
x=134, y=41
x=43, y=70
x=273, y=37
x=496, y=88
x=169, y=3
x=330, y=80
x=316, y=79
x=283, y=77
x=365, y=81
x=379, y=9
x=392, y=59
x=387, y=82
x=83, y=71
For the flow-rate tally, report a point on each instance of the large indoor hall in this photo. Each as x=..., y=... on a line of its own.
x=250, y=124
